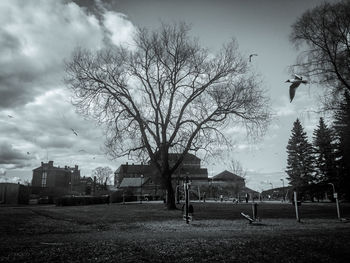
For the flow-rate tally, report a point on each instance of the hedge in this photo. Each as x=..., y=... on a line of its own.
x=82, y=200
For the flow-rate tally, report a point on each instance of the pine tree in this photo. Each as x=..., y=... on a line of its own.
x=342, y=130
x=324, y=149
x=300, y=167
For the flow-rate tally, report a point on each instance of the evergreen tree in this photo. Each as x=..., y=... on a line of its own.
x=324, y=148
x=342, y=130
x=300, y=167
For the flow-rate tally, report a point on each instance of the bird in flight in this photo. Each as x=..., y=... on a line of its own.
x=250, y=57
x=76, y=134
x=10, y=116
x=295, y=84
x=82, y=150
x=28, y=153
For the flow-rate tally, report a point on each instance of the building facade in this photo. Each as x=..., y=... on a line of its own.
x=49, y=176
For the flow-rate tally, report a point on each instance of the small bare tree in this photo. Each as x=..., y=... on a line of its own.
x=103, y=174
x=236, y=167
x=167, y=95
x=324, y=33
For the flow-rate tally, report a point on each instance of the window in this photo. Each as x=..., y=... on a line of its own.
x=43, y=179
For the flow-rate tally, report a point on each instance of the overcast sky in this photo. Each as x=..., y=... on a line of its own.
x=36, y=116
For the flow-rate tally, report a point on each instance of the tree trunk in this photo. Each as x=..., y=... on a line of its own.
x=170, y=193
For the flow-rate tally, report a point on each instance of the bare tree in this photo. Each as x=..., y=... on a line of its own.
x=167, y=95
x=103, y=174
x=324, y=33
x=236, y=167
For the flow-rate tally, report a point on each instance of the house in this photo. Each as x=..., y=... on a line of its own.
x=140, y=186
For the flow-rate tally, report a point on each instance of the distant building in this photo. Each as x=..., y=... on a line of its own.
x=141, y=186
x=191, y=167
x=233, y=185
x=49, y=176
x=228, y=179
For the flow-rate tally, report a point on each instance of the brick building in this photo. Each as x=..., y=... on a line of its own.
x=49, y=176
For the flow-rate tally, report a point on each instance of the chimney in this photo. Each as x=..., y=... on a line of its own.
x=50, y=163
x=42, y=163
x=76, y=167
x=126, y=163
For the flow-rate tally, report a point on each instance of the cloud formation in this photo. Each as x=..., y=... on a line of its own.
x=36, y=37
x=11, y=157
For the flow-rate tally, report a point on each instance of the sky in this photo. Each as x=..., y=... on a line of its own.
x=38, y=36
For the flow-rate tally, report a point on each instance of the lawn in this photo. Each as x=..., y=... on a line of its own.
x=149, y=233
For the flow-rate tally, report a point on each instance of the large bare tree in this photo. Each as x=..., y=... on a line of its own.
x=166, y=95
x=323, y=35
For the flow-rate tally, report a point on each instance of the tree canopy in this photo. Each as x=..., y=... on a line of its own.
x=324, y=150
x=166, y=95
x=323, y=35
x=300, y=162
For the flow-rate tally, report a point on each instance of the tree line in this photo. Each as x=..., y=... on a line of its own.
x=313, y=166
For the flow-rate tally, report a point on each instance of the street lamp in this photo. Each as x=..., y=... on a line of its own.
x=141, y=189
x=335, y=195
x=71, y=181
x=283, y=189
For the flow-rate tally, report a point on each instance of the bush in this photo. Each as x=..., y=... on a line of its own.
x=82, y=200
x=117, y=197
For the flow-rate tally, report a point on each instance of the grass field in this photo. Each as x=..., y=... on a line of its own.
x=149, y=233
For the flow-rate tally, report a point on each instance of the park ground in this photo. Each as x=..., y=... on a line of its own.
x=149, y=233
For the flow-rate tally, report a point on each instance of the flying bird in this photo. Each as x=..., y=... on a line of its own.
x=295, y=84
x=82, y=150
x=10, y=116
x=28, y=153
x=76, y=134
x=250, y=57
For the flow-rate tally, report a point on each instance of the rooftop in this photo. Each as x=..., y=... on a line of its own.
x=133, y=182
x=227, y=176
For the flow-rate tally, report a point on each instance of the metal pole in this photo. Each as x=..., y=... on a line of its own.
x=283, y=198
x=177, y=194
x=338, y=211
x=199, y=194
x=296, y=206
x=335, y=195
x=141, y=189
x=187, y=197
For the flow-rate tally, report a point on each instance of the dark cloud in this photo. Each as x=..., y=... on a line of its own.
x=35, y=38
x=12, y=156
